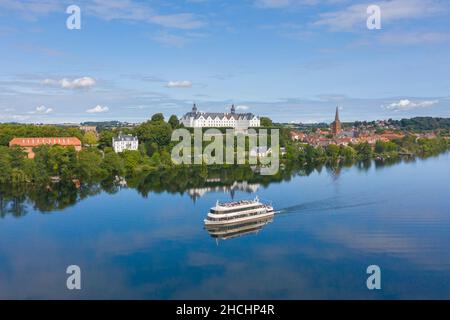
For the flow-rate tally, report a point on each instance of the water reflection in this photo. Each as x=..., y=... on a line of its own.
x=147, y=241
x=236, y=230
x=17, y=200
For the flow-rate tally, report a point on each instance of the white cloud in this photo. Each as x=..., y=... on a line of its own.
x=356, y=15
x=406, y=104
x=41, y=110
x=78, y=83
x=138, y=11
x=179, y=84
x=98, y=109
x=242, y=107
x=32, y=9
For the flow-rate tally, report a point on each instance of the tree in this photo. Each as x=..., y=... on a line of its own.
x=132, y=160
x=348, y=153
x=90, y=138
x=364, y=151
x=105, y=139
x=173, y=121
x=17, y=157
x=157, y=117
x=381, y=146
x=114, y=164
x=90, y=164
x=157, y=132
x=5, y=165
x=266, y=122
x=332, y=151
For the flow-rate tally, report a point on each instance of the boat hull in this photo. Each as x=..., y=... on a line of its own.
x=265, y=215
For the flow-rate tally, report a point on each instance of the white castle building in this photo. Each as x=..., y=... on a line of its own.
x=196, y=119
x=125, y=142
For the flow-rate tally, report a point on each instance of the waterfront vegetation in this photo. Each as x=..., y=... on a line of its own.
x=97, y=162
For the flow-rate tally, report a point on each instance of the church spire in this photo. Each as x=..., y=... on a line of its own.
x=194, y=108
x=336, y=126
x=233, y=109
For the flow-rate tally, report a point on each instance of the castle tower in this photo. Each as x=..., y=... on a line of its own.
x=336, y=126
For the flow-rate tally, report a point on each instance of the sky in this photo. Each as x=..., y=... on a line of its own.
x=290, y=60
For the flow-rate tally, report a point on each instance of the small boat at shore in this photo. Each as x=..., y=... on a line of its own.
x=236, y=212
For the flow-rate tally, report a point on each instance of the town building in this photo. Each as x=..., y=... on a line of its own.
x=86, y=128
x=29, y=143
x=239, y=121
x=125, y=142
x=336, y=126
x=297, y=136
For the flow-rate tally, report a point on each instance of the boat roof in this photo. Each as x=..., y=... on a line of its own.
x=232, y=204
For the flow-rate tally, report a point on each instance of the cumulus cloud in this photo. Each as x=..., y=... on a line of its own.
x=98, y=109
x=42, y=110
x=77, y=83
x=406, y=104
x=179, y=84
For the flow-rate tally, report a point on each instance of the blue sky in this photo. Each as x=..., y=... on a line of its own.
x=291, y=60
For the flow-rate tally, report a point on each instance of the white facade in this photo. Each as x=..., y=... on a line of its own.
x=195, y=119
x=125, y=142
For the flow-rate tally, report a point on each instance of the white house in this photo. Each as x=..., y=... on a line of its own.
x=125, y=142
x=196, y=119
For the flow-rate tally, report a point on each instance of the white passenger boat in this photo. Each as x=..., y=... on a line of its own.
x=238, y=212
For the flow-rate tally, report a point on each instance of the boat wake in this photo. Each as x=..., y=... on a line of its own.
x=322, y=205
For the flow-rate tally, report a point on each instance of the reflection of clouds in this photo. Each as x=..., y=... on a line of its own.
x=406, y=238
x=129, y=247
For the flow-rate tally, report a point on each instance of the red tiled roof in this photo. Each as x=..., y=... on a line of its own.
x=33, y=142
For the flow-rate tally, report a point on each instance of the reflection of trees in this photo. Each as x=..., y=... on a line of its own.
x=15, y=200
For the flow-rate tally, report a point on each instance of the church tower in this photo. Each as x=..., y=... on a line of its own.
x=233, y=109
x=336, y=126
x=194, y=108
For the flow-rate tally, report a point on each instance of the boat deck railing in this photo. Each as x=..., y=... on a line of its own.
x=237, y=203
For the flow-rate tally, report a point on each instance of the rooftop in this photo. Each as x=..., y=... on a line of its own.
x=36, y=141
x=125, y=137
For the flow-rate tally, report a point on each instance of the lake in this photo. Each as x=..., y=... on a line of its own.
x=331, y=225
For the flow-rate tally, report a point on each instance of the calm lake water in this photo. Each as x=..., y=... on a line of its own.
x=331, y=227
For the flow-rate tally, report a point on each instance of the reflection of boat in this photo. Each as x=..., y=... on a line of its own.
x=236, y=212
x=230, y=231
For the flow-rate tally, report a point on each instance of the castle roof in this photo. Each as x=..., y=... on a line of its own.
x=220, y=115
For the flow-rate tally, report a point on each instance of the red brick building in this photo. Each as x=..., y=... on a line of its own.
x=29, y=143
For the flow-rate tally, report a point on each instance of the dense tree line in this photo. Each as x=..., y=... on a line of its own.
x=10, y=131
x=423, y=123
x=98, y=162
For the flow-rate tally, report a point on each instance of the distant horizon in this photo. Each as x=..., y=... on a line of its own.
x=166, y=117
